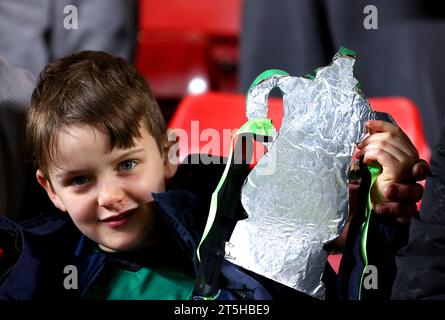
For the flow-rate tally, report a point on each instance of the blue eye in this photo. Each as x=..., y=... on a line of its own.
x=127, y=165
x=78, y=181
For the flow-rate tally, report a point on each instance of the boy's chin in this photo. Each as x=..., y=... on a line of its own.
x=106, y=249
x=121, y=248
x=128, y=246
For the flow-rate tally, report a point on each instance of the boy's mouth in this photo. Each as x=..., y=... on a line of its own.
x=119, y=219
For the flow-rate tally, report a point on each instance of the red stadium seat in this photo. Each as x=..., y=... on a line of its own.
x=169, y=62
x=226, y=111
x=210, y=17
x=184, y=40
x=216, y=115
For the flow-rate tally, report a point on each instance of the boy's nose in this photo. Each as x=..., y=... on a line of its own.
x=111, y=198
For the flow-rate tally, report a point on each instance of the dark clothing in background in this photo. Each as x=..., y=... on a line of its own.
x=403, y=57
x=421, y=264
x=20, y=196
x=32, y=34
x=16, y=86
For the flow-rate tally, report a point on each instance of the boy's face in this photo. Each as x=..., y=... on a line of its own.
x=108, y=194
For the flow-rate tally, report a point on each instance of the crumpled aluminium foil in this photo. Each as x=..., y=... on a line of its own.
x=296, y=197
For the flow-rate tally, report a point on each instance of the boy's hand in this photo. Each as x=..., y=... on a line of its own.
x=402, y=197
x=395, y=191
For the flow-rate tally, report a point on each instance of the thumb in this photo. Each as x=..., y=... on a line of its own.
x=421, y=170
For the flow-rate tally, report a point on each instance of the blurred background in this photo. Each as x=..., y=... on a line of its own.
x=186, y=47
x=190, y=48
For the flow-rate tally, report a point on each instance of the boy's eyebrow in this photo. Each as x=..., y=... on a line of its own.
x=129, y=153
x=76, y=172
x=64, y=174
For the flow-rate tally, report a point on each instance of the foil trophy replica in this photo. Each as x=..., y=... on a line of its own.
x=296, y=197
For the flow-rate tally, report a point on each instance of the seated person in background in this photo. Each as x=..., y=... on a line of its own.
x=421, y=264
x=16, y=86
x=100, y=145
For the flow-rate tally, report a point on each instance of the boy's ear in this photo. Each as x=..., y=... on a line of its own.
x=171, y=155
x=46, y=184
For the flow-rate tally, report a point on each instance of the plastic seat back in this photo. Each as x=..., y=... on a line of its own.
x=188, y=46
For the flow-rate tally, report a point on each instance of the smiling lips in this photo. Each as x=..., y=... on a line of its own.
x=120, y=219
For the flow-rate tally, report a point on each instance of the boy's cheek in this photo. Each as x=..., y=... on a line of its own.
x=83, y=215
x=81, y=210
x=141, y=189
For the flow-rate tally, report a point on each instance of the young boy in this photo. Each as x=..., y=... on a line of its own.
x=100, y=145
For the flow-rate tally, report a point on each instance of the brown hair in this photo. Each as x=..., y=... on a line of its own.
x=91, y=88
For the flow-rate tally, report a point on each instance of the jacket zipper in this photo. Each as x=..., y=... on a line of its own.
x=8, y=271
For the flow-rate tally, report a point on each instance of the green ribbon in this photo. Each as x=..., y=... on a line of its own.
x=263, y=127
x=375, y=171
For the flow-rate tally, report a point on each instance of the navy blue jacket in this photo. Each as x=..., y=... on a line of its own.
x=37, y=251
x=44, y=246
